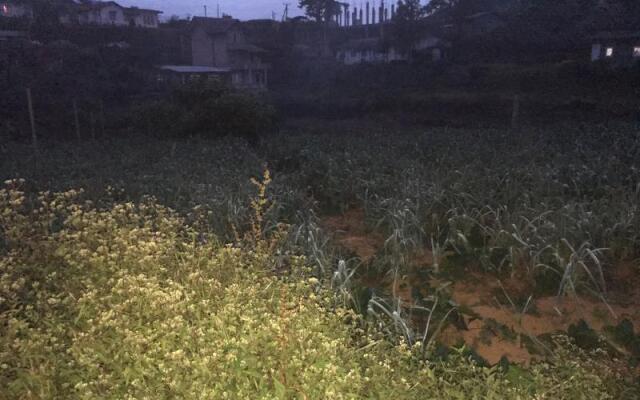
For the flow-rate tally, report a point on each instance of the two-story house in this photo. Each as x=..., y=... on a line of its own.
x=110, y=13
x=221, y=43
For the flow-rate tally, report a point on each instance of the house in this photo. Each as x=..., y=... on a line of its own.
x=101, y=13
x=618, y=48
x=370, y=51
x=141, y=17
x=373, y=51
x=110, y=13
x=221, y=43
x=186, y=73
x=15, y=9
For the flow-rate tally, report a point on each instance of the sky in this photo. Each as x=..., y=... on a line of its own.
x=241, y=9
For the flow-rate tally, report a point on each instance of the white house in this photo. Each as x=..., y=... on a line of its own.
x=113, y=14
x=141, y=17
x=373, y=51
x=15, y=9
x=102, y=13
x=370, y=51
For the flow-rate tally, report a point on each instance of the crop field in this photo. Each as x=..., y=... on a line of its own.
x=332, y=260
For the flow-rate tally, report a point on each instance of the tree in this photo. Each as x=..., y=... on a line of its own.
x=406, y=25
x=321, y=10
x=440, y=5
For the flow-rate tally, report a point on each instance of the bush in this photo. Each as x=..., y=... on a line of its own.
x=209, y=109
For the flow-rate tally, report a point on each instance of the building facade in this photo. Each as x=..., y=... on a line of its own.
x=373, y=51
x=618, y=48
x=102, y=13
x=142, y=18
x=221, y=43
x=110, y=13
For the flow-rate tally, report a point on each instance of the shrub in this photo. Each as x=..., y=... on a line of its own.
x=209, y=109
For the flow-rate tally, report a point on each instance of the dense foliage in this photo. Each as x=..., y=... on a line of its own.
x=209, y=109
x=108, y=292
x=127, y=301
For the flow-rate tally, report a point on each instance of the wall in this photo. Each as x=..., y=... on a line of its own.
x=623, y=51
x=102, y=16
x=145, y=19
x=201, y=48
x=220, y=53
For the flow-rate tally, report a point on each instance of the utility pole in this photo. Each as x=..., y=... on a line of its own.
x=285, y=14
x=218, y=10
x=205, y=11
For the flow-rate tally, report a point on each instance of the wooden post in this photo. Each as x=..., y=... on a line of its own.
x=32, y=120
x=92, y=120
x=102, y=120
x=515, y=112
x=76, y=118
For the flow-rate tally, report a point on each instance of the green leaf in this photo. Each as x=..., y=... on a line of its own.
x=281, y=390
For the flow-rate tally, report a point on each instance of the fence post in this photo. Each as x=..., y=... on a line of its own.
x=102, y=120
x=92, y=120
x=76, y=118
x=32, y=120
x=515, y=112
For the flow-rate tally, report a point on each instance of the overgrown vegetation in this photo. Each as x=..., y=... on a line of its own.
x=181, y=262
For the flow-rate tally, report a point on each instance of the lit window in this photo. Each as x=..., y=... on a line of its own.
x=5, y=9
x=609, y=52
x=636, y=52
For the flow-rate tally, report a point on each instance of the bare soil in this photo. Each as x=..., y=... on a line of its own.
x=495, y=329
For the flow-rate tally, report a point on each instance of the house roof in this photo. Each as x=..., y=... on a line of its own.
x=194, y=69
x=98, y=5
x=136, y=10
x=483, y=14
x=214, y=26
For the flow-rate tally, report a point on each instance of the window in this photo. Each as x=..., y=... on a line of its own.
x=5, y=9
x=148, y=19
x=636, y=52
x=112, y=16
x=609, y=52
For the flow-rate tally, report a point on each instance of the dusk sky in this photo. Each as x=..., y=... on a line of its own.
x=242, y=9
